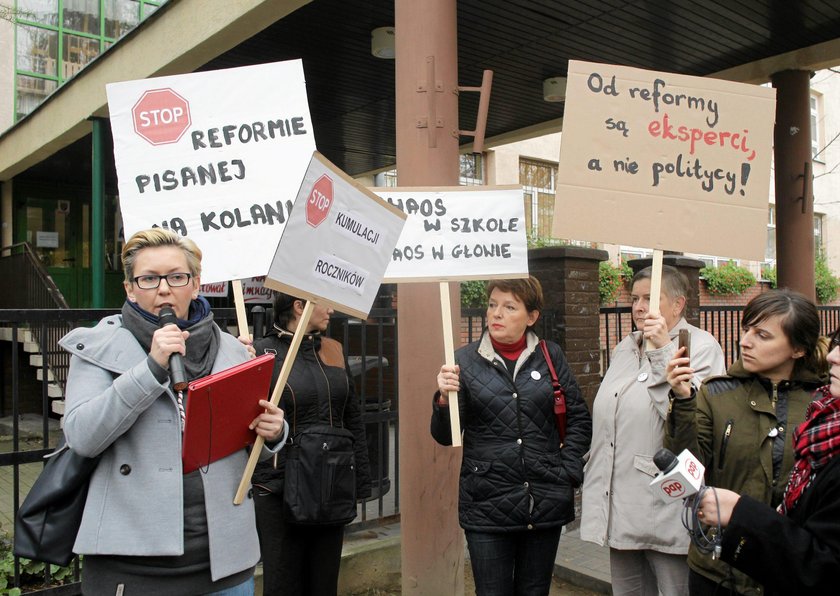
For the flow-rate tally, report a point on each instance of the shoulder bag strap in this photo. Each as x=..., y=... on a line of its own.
x=559, y=394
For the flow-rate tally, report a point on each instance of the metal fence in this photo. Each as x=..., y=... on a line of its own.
x=32, y=385
x=32, y=381
x=724, y=322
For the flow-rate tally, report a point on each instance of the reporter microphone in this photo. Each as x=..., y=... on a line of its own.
x=682, y=475
x=176, y=363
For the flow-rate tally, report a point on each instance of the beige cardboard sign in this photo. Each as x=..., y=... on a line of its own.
x=666, y=161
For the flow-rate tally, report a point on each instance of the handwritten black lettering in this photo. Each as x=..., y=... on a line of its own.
x=686, y=168
x=221, y=171
x=230, y=134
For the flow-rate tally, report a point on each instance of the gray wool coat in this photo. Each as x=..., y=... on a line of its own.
x=117, y=408
x=619, y=508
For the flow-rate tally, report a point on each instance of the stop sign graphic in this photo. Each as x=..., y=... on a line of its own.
x=161, y=116
x=320, y=200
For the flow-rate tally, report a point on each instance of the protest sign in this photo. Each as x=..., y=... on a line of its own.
x=337, y=243
x=458, y=233
x=217, y=289
x=334, y=251
x=665, y=161
x=255, y=292
x=216, y=156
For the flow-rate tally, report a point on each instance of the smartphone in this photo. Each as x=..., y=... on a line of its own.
x=685, y=342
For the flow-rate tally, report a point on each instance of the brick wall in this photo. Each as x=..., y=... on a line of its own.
x=569, y=277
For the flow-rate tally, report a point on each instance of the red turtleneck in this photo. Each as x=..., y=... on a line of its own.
x=509, y=351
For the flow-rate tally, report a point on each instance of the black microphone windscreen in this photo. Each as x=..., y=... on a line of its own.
x=167, y=316
x=665, y=460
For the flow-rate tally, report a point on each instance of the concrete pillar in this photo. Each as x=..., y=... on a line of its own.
x=569, y=277
x=691, y=269
x=794, y=182
x=427, y=154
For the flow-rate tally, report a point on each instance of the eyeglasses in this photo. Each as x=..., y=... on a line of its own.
x=173, y=280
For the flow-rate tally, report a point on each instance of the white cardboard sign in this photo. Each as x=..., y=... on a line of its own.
x=337, y=243
x=255, y=292
x=667, y=161
x=217, y=289
x=215, y=156
x=458, y=233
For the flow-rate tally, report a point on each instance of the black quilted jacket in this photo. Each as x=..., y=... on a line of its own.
x=514, y=475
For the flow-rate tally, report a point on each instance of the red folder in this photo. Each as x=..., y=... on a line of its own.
x=219, y=409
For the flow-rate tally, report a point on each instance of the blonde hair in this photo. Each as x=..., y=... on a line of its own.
x=153, y=238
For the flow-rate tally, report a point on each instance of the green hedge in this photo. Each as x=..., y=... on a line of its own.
x=727, y=279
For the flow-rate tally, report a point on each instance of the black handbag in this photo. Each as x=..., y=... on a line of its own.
x=49, y=518
x=320, y=483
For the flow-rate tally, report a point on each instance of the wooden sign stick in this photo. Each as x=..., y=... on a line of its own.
x=286, y=369
x=239, y=303
x=655, y=289
x=449, y=358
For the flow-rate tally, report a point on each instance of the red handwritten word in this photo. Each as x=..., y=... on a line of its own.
x=693, y=136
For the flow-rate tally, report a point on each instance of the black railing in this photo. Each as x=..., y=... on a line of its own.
x=33, y=287
x=371, y=346
x=724, y=322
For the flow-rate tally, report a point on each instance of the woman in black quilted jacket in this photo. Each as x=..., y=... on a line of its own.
x=304, y=560
x=517, y=476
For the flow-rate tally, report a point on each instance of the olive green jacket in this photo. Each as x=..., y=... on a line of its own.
x=733, y=424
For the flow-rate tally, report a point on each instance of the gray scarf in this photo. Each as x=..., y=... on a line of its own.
x=202, y=345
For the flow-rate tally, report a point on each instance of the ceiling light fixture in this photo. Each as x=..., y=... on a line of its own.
x=554, y=89
x=382, y=43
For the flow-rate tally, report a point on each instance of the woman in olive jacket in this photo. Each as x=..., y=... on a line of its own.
x=297, y=559
x=517, y=480
x=737, y=424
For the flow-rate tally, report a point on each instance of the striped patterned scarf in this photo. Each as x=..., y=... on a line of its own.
x=815, y=442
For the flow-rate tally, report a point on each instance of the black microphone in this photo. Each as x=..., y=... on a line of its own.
x=176, y=364
x=665, y=460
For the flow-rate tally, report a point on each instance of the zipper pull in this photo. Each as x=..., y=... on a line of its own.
x=774, y=398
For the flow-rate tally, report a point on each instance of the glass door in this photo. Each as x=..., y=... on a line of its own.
x=55, y=231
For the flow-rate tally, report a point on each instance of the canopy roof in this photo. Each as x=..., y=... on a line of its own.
x=351, y=93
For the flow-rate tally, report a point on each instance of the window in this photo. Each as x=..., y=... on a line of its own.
x=538, y=180
x=628, y=253
x=713, y=261
x=56, y=39
x=471, y=172
x=816, y=122
x=472, y=169
x=770, y=249
x=818, y=234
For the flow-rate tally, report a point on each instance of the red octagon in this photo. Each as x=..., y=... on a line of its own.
x=161, y=116
x=319, y=201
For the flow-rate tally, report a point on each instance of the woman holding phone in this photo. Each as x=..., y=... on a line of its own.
x=647, y=541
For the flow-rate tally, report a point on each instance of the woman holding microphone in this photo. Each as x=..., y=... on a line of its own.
x=148, y=528
x=795, y=550
x=738, y=425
